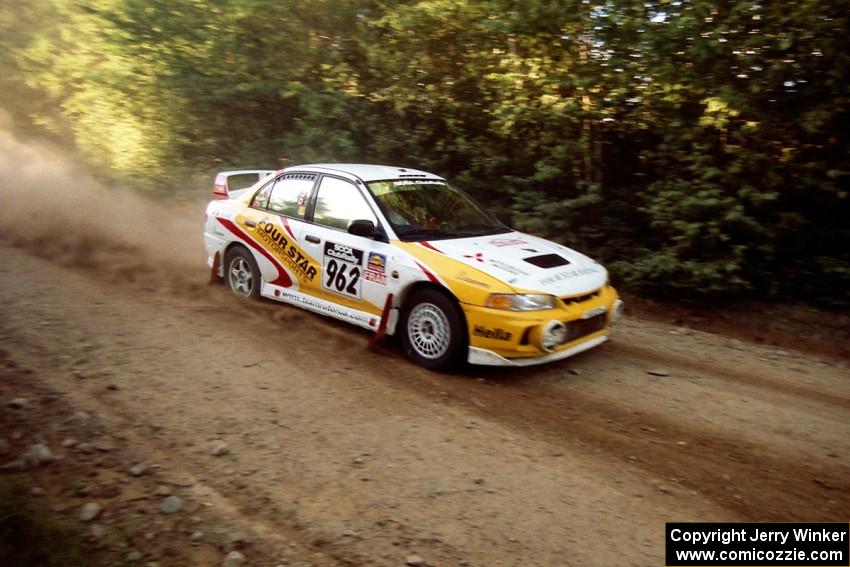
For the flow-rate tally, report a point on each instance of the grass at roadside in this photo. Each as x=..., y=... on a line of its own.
x=29, y=538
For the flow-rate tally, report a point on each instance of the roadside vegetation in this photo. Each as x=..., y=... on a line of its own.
x=33, y=539
x=700, y=149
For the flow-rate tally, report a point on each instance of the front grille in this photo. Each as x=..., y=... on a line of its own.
x=583, y=327
x=580, y=298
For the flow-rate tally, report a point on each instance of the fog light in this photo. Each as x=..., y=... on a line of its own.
x=554, y=334
x=617, y=312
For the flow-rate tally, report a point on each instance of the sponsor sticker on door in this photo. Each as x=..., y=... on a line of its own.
x=376, y=269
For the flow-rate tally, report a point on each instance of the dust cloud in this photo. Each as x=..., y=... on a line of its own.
x=51, y=206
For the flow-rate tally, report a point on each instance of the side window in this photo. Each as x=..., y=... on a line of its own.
x=261, y=199
x=338, y=203
x=290, y=194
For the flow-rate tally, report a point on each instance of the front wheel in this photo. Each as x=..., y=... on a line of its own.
x=241, y=273
x=433, y=334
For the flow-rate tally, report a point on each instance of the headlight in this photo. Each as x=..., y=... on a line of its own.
x=521, y=302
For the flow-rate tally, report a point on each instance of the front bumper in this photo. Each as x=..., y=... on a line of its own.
x=509, y=338
x=489, y=358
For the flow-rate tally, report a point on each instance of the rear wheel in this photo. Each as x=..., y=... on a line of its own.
x=241, y=273
x=432, y=333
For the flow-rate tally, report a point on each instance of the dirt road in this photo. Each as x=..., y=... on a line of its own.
x=330, y=452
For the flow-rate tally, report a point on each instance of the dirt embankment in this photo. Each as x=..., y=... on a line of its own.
x=287, y=439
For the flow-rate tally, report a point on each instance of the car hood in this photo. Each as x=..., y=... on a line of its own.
x=526, y=262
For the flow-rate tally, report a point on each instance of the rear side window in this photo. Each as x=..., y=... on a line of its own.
x=289, y=195
x=261, y=199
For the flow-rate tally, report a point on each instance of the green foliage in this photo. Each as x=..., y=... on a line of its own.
x=699, y=148
x=29, y=539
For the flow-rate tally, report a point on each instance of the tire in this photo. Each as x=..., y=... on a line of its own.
x=433, y=333
x=241, y=273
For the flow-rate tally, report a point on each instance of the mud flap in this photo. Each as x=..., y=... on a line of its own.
x=214, y=271
x=382, y=326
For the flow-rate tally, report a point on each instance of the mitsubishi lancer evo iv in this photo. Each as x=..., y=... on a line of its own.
x=402, y=252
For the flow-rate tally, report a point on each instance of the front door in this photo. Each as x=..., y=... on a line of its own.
x=353, y=273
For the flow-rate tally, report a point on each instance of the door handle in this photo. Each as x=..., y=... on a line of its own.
x=313, y=239
x=250, y=224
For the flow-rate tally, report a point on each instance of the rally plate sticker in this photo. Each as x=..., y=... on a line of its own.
x=343, y=267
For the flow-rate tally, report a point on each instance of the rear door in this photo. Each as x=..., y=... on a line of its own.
x=353, y=273
x=274, y=220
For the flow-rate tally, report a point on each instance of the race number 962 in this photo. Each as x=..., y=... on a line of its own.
x=339, y=280
x=342, y=269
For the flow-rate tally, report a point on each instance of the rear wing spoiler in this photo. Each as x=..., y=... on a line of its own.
x=227, y=182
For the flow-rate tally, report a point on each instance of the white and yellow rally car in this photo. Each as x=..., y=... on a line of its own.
x=400, y=251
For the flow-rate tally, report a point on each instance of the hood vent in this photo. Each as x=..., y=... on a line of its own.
x=547, y=261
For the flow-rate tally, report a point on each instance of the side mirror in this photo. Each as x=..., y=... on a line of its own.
x=362, y=227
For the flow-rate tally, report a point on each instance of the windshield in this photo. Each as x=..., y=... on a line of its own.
x=432, y=210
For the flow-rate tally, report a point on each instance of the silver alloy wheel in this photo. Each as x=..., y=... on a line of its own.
x=241, y=276
x=429, y=331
